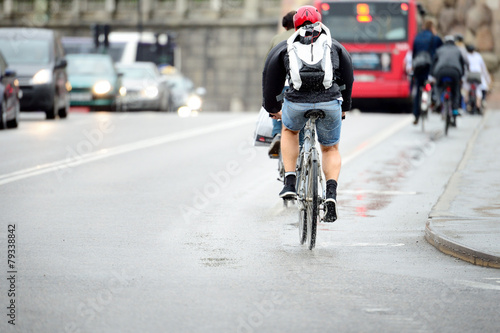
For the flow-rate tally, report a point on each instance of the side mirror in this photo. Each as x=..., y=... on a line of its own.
x=62, y=63
x=10, y=73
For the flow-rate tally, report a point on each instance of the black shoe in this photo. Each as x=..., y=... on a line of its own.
x=415, y=122
x=288, y=192
x=331, y=203
x=274, y=149
x=330, y=210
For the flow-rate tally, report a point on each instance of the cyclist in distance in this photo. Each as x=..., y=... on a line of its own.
x=449, y=63
x=330, y=98
x=425, y=41
x=478, y=68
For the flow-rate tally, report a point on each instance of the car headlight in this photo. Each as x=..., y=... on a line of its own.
x=150, y=92
x=194, y=102
x=102, y=87
x=122, y=91
x=42, y=76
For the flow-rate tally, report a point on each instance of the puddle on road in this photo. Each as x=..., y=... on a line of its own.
x=374, y=191
x=218, y=262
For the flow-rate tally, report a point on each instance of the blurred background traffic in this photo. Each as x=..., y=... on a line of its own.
x=185, y=55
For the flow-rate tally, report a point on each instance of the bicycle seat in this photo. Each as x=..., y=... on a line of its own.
x=315, y=113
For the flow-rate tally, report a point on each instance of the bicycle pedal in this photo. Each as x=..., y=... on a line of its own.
x=274, y=156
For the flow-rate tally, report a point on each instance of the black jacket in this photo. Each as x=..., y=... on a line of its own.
x=275, y=72
x=448, y=56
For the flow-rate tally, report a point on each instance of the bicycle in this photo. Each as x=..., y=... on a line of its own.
x=474, y=80
x=447, y=110
x=425, y=102
x=309, y=179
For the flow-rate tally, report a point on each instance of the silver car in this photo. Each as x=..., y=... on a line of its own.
x=143, y=87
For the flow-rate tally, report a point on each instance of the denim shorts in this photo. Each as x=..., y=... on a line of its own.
x=327, y=129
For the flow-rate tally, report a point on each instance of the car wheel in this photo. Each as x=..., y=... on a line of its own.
x=51, y=112
x=13, y=123
x=3, y=116
x=63, y=113
x=163, y=104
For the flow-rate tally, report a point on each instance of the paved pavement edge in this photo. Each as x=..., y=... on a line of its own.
x=438, y=239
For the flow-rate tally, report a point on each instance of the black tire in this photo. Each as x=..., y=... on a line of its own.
x=301, y=191
x=3, y=119
x=51, y=113
x=63, y=112
x=13, y=123
x=311, y=202
x=423, y=113
x=447, y=121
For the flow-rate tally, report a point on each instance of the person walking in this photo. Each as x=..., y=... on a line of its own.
x=320, y=89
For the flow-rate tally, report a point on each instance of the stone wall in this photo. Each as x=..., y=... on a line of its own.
x=223, y=44
x=228, y=62
x=477, y=20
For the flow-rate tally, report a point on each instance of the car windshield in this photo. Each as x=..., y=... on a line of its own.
x=89, y=65
x=367, y=22
x=25, y=51
x=138, y=72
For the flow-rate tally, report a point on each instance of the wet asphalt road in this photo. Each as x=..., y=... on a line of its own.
x=147, y=222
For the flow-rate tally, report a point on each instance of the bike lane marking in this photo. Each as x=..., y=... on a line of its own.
x=376, y=139
x=118, y=150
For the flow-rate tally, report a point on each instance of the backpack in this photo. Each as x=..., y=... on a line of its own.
x=422, y=62
x=310, y=66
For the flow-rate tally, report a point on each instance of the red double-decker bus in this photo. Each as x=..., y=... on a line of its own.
x=378, y=34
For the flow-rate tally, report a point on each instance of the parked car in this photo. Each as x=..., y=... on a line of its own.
x=94, y=81
x=36, y=55
x=145, y=87
x=9, y=96
x=183, y=93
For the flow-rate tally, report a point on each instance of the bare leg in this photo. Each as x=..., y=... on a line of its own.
x=331, y=161
x=289, y=148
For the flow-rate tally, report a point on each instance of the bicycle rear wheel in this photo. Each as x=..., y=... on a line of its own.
x=424, y=96
x=447, y=120
x=301, y=191
x=311, y=202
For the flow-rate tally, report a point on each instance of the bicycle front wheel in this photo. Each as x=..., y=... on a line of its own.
x=311, y=202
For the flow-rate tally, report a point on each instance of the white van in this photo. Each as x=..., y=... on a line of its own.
x=129, y=47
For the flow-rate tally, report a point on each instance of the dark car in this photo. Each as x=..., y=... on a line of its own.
x=38, y=59
x=9, y=96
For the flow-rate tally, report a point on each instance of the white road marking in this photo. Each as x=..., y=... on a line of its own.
x=363, y=244
x=372, y=142
x=377, y=192
x=478, y=285
x=122, y=149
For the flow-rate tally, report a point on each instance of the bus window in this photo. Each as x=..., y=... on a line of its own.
x=370, y=22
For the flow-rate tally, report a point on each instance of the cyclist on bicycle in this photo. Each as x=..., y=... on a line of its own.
x=425, y=42
x=478, y=72
x=298, y=99
x=449, y=65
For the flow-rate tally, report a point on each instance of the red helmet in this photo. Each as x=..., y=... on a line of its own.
x=306, y=13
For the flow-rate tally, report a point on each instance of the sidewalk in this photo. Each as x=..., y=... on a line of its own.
x=465, y=222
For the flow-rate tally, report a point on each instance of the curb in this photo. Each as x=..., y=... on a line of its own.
x=460, y=251
x=447, y=245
